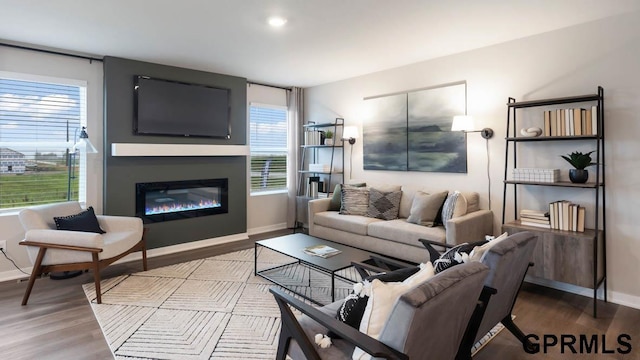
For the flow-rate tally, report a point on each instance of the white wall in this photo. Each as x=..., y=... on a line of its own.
x=30, y=62
x=571, y=61
x=265, y=212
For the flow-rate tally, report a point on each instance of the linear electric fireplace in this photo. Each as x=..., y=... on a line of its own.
x=174, y=200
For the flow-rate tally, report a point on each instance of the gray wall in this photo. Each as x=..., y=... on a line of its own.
x=122, y=173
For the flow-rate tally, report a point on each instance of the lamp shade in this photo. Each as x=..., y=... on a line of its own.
x=350, y=132
x=462, y=123
x=84, y=144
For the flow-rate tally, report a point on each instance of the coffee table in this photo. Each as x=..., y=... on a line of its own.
x=293, y=246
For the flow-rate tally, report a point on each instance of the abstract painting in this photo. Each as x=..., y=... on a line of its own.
x=411, y=131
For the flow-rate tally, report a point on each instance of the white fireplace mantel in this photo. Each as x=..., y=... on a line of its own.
x=138, y=149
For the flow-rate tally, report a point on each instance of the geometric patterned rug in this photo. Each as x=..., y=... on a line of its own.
x=212, y=308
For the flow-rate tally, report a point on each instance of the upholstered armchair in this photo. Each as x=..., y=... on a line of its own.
x=53, y=250
x=508, y=261
x=427, y=321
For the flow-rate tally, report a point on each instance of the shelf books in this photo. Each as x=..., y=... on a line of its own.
x=535, y=218
x=564, y=215
x=323, y=251
x=571, y=122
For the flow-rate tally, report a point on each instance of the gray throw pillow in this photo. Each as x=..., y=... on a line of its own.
x=355, y=200
x=424, y=207
x=384, y=205
x=449, y=207
x=336, y=199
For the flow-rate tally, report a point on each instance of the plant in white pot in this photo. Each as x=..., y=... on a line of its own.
x=328, y=137
x=580, y=162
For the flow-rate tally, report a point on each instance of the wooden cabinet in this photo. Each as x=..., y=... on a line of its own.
x=577, y=258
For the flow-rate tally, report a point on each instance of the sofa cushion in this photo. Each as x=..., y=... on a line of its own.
x=401, y=231
x=406, y=200
x=473, y=202
x=85, y=221
x=336, y=199
x=350, y=223
x=425, y=208
x=355, y=200
x=383, y=204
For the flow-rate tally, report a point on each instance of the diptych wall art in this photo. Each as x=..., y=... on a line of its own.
x=412, y=131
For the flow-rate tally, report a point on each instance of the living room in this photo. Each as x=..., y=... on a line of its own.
x=569, y=60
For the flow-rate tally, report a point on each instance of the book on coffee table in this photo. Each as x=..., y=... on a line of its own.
x=322, y=251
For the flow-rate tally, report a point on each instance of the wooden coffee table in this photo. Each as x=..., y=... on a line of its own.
x=293, y=246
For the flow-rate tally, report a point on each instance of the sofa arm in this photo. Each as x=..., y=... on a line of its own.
x=65, y=237
x=110, y=223
x=315, y=206
x=469, y=227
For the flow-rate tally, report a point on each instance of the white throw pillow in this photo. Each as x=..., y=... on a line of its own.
x=381, y=302
x=477, y=254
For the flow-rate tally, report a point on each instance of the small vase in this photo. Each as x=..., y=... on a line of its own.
x=578, y=176
x=328, y=142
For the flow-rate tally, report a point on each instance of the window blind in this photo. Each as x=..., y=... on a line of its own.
x=39, y=122
x=268, y=144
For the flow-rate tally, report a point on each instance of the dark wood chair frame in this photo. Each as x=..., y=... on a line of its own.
x=291, y=329
x=96, y=264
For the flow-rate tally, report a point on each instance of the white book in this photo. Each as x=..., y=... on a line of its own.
x=594, y=120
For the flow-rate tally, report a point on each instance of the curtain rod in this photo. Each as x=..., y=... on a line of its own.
x=267, y=85
x=51, y=52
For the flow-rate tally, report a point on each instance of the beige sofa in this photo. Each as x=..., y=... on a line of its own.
x=399, y=238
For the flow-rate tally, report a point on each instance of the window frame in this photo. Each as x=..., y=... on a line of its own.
x=83, y=119
x=285, y=150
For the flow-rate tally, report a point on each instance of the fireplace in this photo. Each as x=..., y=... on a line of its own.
x=175, y=200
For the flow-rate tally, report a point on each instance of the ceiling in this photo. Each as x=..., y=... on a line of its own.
x=323, y=40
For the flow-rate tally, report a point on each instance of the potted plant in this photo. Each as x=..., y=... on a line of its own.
x=580, y=162
x=328, y=137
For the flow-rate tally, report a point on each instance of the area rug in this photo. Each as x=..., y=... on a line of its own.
x=212, y=308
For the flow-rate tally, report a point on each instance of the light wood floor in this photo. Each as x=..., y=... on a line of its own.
x=58, y=322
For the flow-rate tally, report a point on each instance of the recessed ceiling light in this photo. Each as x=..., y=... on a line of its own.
x=276, y=21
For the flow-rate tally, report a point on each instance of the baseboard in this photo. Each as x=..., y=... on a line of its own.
x=265, y=229
x=167, y=250
x=15, y=275
x=615, y=297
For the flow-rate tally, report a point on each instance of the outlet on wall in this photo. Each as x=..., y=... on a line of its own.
x=3, y=245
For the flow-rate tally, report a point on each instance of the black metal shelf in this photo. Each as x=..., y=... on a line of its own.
x=558, y=184
x=598, y=234
x=553, y=101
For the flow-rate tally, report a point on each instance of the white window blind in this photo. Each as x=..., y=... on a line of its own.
x=39, y=122
x=268, y=144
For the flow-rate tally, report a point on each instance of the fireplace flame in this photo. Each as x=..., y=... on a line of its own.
x=178, y=207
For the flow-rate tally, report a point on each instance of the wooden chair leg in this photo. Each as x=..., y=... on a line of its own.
x=37, y=271
x=96, y=277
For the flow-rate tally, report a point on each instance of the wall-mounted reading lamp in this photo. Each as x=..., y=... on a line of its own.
x=350, y=134
x=465, y=124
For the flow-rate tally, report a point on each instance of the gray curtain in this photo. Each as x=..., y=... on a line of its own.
x=295, y=104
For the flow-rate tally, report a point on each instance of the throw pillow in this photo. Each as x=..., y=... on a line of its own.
x=477, y=254
x=449, y=206
x=382, y=299
x=424, y=207
x=354, y=304
x=384, y=205
x=85, y=221
x=336, y=201
x=456, y=255
x=355, y=200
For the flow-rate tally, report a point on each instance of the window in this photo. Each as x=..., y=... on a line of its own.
x=40, y=119
x=268, y=143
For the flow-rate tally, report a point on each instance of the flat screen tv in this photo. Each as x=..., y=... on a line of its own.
x=173, y=108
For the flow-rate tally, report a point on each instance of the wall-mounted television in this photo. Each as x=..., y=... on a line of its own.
x=172, y=108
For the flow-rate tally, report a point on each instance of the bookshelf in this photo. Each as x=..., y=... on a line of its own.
x=319, y=162
x=577, y=258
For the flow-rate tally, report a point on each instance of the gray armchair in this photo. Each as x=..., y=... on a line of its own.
x=53, y=250
x=427, y=322
x=508, y=262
